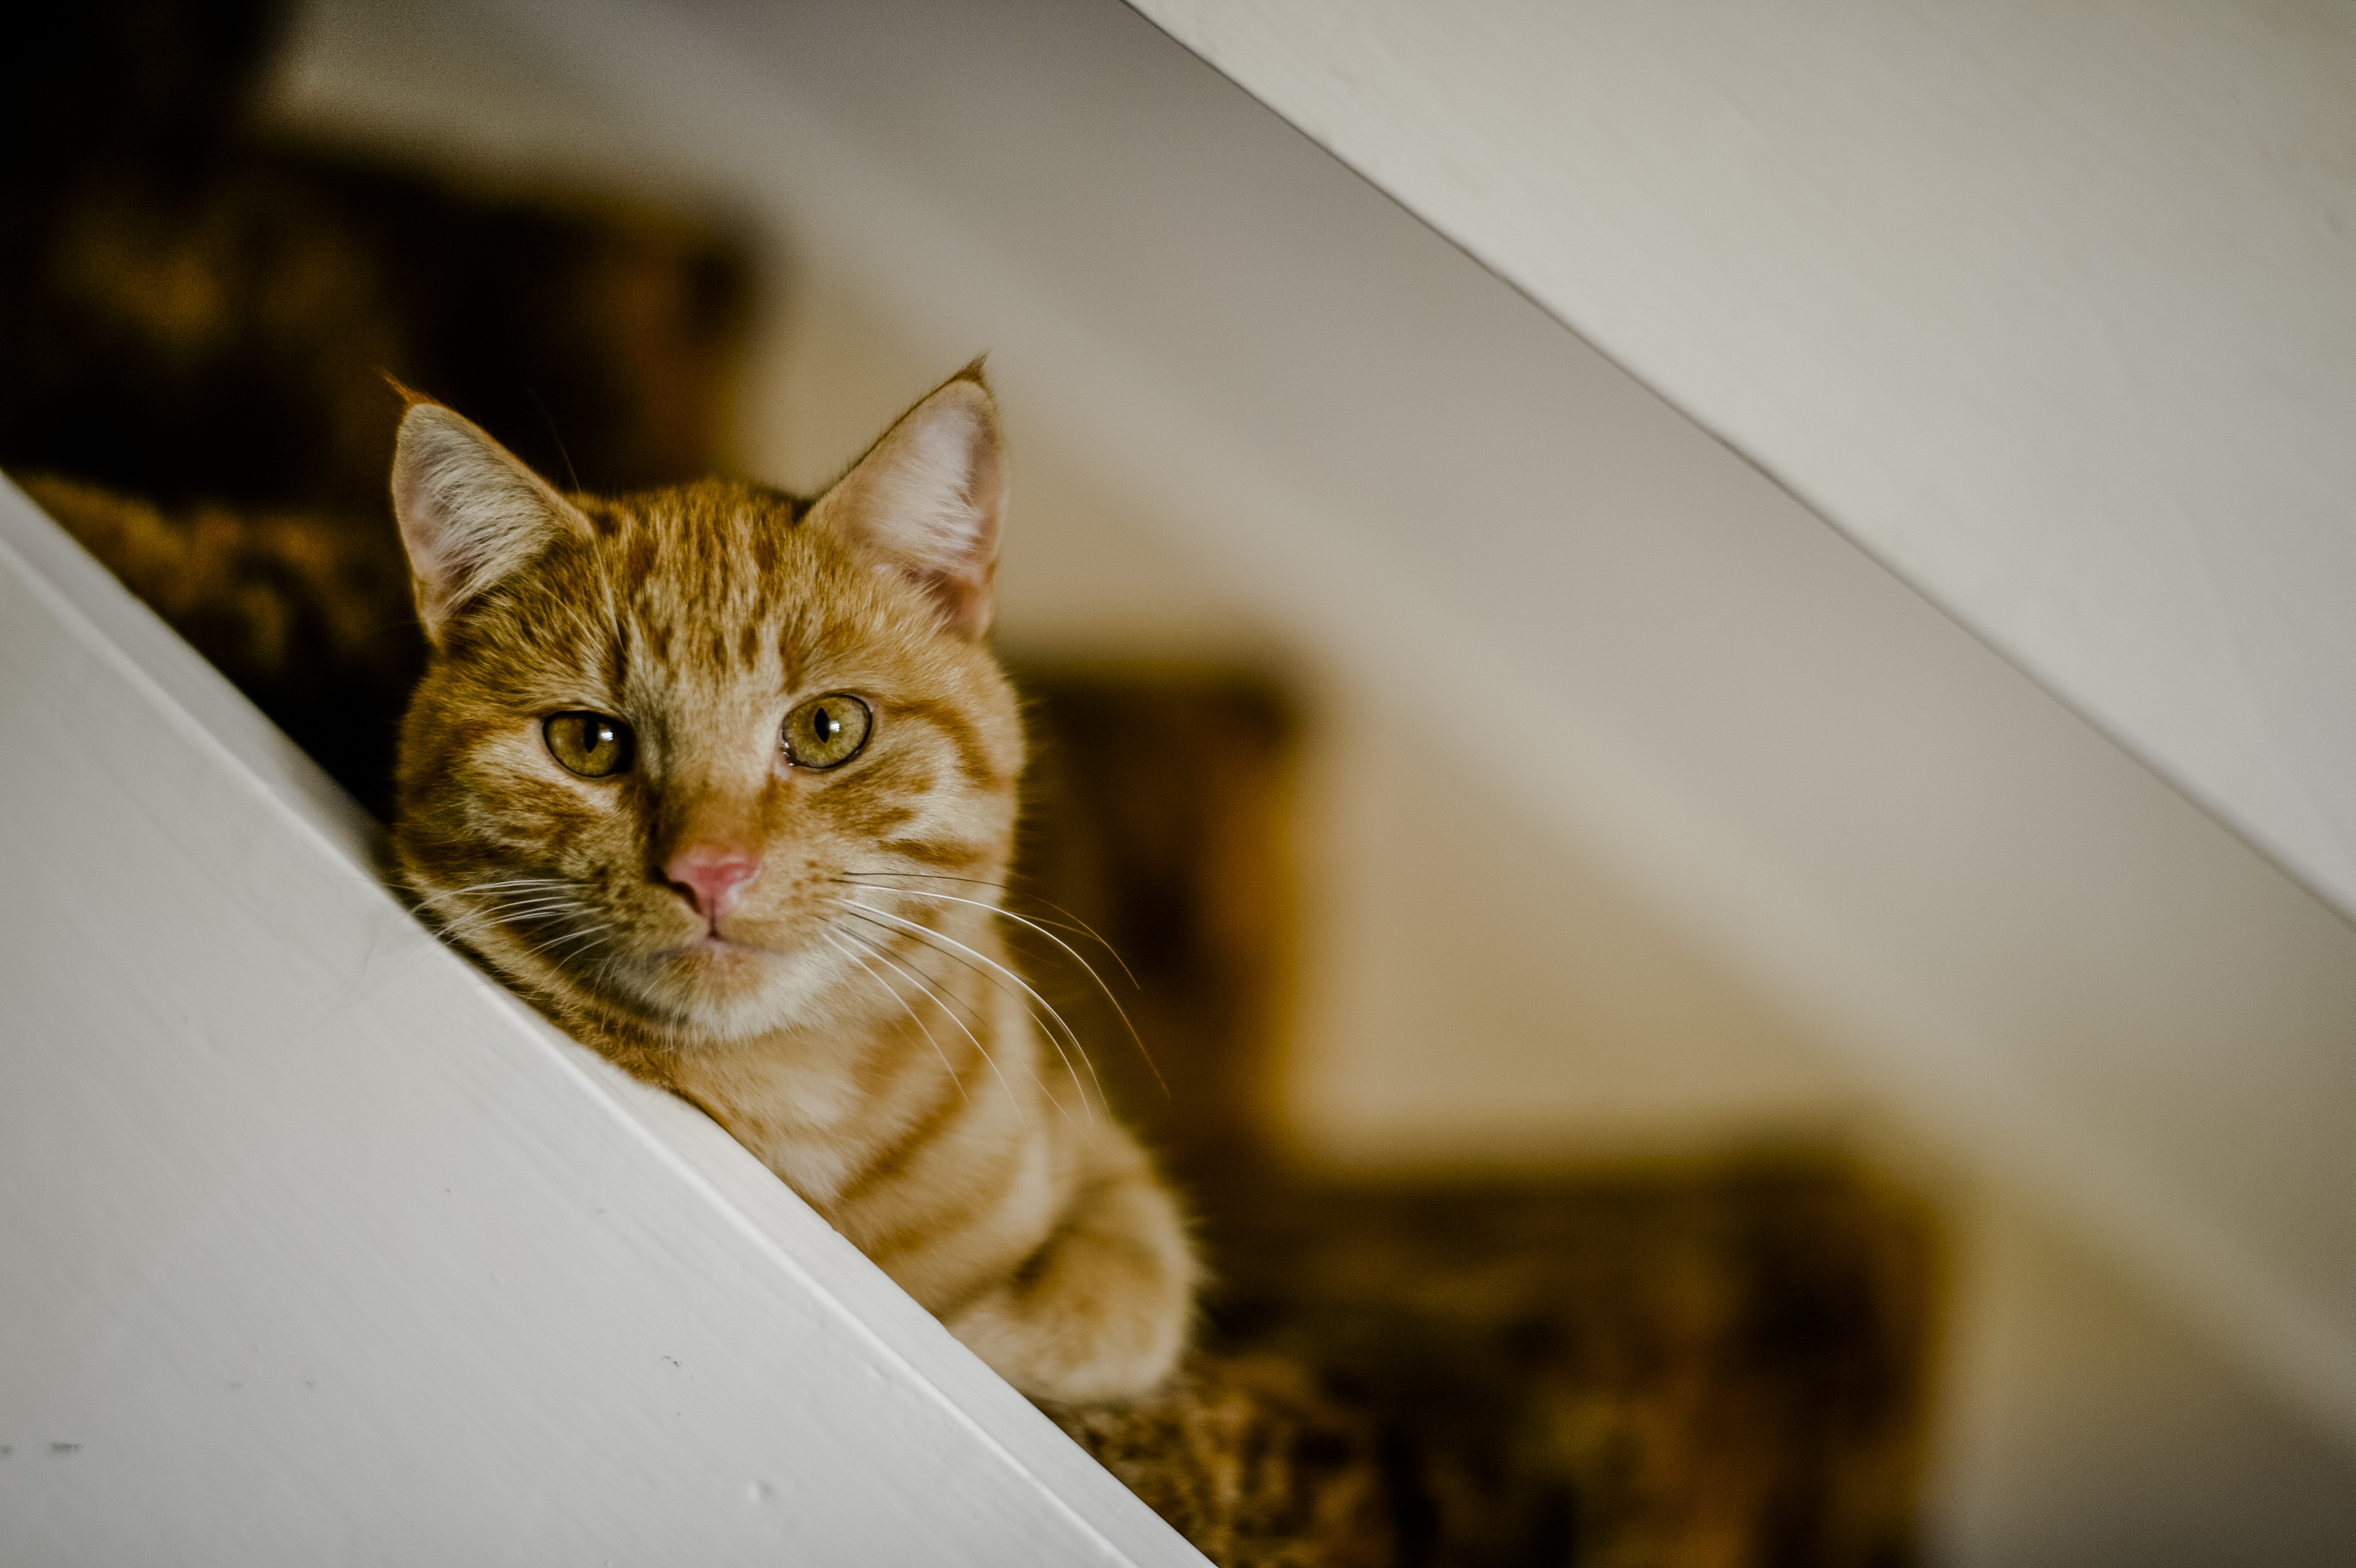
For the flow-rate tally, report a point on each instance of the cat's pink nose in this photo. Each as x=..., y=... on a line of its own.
x=711, y=877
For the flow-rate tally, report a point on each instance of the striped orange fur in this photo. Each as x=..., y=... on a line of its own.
x=806, y=948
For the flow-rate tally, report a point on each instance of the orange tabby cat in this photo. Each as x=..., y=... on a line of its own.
x=725, y=783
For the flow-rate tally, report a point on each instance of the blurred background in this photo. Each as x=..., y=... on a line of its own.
x=1723, y=1067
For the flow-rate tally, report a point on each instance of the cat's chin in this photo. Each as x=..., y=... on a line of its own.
x=717, y=989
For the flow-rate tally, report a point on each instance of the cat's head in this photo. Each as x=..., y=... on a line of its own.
x=658, y=734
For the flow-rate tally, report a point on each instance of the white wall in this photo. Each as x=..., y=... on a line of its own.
x=2050, y=306
x=2088, y=1426
x=1859, y=870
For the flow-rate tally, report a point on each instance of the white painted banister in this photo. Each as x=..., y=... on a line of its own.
x=319, y=1248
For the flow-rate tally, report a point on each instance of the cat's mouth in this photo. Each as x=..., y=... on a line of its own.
x=719, y=986
x=717, y=967
x=712, y=947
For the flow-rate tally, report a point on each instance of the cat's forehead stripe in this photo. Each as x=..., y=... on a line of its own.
x=617, y=654
x=791, y=642
x=711, y=556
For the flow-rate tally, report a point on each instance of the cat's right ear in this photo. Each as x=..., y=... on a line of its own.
x=471, y=513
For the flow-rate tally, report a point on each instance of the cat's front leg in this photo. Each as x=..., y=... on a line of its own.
x=1100, y=1312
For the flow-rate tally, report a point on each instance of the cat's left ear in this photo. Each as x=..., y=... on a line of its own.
x=471, y=514
x=927, y=500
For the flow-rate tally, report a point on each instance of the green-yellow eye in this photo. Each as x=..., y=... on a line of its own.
x=590, y=744
x=826, y=731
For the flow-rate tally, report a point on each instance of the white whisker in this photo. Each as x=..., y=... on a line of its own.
x=548, y=949
x=927, y=933
x=472, y=921
x=885, y=959
x=1079, y=926
x=1010, y=914
x=515, y=908
x=861, y=960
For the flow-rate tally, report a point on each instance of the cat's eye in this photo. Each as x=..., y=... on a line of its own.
x=826, y=731
x=590, y=744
